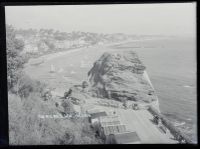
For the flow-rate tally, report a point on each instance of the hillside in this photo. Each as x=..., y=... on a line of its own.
x=44, y=41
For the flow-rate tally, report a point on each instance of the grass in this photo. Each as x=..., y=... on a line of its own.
x=27, y=128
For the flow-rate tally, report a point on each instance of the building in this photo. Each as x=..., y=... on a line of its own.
x=95, y=116
x=114, y=129
x=109, y=120
x=127, y=138
x=107, y=125
x=30, y=48
x=43, y=47
x=62, y=44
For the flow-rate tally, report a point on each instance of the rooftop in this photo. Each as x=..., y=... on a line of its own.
x=127, y=138
x=114, y=129
x=98, y=114
x=140, y=122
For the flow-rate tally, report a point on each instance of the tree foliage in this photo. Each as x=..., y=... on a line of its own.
x=68, y=107
x=15, y=59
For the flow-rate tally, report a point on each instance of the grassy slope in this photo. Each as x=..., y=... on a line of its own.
x=26, y=128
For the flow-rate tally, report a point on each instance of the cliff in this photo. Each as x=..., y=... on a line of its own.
x=119, y=75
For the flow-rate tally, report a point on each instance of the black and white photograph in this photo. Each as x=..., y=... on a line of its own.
x=102, y=74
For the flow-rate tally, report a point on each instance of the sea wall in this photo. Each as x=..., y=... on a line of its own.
x=174, y=131
x=155, y=110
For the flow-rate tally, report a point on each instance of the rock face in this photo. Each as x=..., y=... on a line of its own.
x=119, y=75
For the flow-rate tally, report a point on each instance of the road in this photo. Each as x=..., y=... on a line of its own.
x=139, y=121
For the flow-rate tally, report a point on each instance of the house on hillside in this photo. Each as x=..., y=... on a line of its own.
x=43, y=47
x=30, y=48
x=62, y=44
x=20, y=37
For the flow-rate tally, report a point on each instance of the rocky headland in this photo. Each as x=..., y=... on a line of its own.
x=119, y=75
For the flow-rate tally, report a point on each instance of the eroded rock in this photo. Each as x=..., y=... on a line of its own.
x=119, y=75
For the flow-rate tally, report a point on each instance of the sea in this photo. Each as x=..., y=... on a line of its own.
x=172, y=67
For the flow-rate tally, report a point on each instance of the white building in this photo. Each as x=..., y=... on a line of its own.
x=29, y=48
x=42, y=46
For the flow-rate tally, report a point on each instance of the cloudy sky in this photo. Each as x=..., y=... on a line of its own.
x=167, y=19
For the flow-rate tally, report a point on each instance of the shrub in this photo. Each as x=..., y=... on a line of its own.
x=26, y=85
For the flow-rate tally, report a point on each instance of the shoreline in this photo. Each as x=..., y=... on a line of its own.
x=50, y=56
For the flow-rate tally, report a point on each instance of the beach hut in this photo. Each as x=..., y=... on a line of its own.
x=127, y=138
x=114, y=129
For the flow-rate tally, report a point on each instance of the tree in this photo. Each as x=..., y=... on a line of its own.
x=15, y=60
x=68, y=107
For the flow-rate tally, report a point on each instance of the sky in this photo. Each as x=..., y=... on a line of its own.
x=166, y=19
